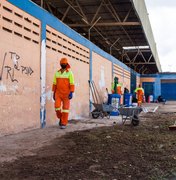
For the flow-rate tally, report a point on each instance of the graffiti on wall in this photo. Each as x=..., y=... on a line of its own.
x=9, y=71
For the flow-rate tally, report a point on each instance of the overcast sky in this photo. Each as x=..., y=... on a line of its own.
x=162, y=15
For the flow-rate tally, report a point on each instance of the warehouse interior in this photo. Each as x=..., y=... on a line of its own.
x=116, y=26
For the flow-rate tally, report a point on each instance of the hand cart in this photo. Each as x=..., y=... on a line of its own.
x=130, y=113
x=101, y=109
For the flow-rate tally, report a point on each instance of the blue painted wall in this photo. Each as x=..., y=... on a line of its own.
x=157, y=87
x=168, y=91
x=157, y=84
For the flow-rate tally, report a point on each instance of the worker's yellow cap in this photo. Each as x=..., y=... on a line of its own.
x=63, y=61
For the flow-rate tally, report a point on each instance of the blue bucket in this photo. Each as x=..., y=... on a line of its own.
x=128, y=99
x=114, y=100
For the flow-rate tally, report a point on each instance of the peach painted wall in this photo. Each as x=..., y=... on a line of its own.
x=19, y=70
x=124, y=77
x=147, y=80
x=101, y=74
x=58, y=46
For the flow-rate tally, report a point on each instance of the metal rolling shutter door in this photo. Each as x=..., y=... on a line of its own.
x=168, y=89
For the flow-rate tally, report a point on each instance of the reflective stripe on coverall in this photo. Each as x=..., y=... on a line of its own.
x=63, y=84
x=140, y=93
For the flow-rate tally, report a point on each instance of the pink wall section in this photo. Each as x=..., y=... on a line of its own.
x=19, y=70
x=58, y=46
x=123, y=75
x=124, y=78
x=102, y=74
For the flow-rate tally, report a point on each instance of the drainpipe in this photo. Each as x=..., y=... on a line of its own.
x=43, y=78
x=90, y=78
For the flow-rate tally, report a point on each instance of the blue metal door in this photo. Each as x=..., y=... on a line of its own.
x=148, y=89
x=133, y=81
x=168, y=90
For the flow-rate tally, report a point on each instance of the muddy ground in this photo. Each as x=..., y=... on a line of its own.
x=147, y=151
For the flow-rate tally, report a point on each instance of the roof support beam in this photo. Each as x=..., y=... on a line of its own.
x=136, y=50
x=141, y=69
x=93, y=26
x=84, y=18
x=41, y=3
x=150, y=58
x=138, y=63
x=117, y=18
x=97, y=11
x=108, y=24
x=144, y=70
x=113, y=45
x=66, y=12
x=126, y=17
x=73, y=8
x=112, y=11
x=49, y=8
x=80, y=8
x=142, y=56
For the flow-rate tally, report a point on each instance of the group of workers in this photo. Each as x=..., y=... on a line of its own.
x=117, y=89
x=63, y=89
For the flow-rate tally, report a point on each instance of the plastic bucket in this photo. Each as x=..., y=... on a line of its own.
x=114, y=100
x=127, y=99
x=150, y=98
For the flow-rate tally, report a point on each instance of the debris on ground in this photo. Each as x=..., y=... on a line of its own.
x=119, y=152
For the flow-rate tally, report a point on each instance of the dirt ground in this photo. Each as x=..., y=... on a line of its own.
x=95, y=149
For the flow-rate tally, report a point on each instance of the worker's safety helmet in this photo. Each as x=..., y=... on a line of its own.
x=63, y=61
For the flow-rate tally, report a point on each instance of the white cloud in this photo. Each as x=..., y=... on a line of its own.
x=162, y=15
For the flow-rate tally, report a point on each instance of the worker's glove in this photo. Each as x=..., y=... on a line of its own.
x=70, y=95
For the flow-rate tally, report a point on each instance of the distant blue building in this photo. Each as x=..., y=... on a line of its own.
x=160, y=84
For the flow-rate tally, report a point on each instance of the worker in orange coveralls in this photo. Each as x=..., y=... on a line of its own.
x=117, y=88
x=140, y=93
x=63, y=88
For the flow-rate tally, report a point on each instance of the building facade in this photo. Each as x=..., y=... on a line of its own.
x=32, y=43
x=163, y=84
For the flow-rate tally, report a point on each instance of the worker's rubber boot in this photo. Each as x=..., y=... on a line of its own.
x=63, y=127
x=60, y=122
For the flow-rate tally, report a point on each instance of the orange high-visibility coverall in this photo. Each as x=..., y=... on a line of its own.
x=140, y=93
x=63, y=84
x=118, y=89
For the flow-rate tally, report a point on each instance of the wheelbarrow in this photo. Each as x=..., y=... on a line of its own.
x=130, y=113
x=101, y=110
x=172, y=127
